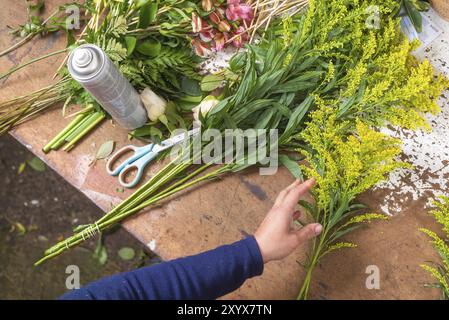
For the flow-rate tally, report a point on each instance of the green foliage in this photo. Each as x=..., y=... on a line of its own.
x=413, y=9
x=37, y=164
x=126, y=253
x=440, y=271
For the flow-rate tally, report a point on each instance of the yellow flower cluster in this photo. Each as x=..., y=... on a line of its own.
x=347, y=163
x=367, y=217
x=340, y=245
x=437, y=275
x=330, y=72
x=397, y=88
x=441, y=214
x=376, y=65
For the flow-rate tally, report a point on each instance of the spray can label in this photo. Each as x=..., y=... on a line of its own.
x=94, y=71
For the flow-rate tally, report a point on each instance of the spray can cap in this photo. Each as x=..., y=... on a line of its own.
x=85, y=62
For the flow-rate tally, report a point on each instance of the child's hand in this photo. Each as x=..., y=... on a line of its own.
x=276, y=236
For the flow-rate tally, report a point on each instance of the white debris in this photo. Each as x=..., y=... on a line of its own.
x=428, y=152
x=152, y=245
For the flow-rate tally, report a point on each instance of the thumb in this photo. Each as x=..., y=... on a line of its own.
x=308, y=232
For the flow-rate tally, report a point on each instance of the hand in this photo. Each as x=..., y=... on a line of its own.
x=276, y=236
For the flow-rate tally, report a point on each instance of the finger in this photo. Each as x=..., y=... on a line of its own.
x=281, y=196
x=291, y=199
x=293, y=185
x=308, y=232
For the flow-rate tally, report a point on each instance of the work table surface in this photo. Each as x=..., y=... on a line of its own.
x=217, y=212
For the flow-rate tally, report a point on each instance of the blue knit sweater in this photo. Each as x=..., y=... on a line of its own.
x=208, y=275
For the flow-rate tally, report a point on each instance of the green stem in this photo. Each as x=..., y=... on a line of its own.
x=61, y=135
x=18, y=44
x=316, y=254
x=101, y=226
x=98, y=117
x=11, y=71
x=167, y=173
x=29, y=36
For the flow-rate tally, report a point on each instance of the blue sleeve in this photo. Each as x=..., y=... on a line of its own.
x=208, y=275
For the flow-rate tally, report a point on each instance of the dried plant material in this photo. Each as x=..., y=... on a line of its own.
x=105, y=150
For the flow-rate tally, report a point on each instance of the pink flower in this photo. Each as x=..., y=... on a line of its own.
x=197, y=23
x=236, y=11
x=216, y=17
x=241, y=37
x=220, y=41
x=207, y=35
x=224, y=26
x=201, y=49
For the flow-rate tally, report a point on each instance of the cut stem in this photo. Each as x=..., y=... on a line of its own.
x=11, y=71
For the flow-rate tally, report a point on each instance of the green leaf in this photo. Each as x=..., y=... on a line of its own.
x=37, y=164
x=38, y=6
x=100, y=253
x=105, y=150
x=294, y=86
x=150, y=48
x=141, y=3
x=237, y=62
x=70, y=38
x=414, y=14
x=147, y=131
x=147, y=14
x=420, y=5
x=190, y=87
x=292, y=166
x=211, y=82
x=126, y=253
x=296, y=118
x=130, y=44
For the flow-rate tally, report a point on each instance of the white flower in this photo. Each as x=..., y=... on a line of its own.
x=154, y=104
x=204, y=107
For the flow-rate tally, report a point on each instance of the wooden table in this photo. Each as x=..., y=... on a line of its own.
x=219, y=212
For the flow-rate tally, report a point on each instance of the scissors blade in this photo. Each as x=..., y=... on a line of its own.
x=175, y=140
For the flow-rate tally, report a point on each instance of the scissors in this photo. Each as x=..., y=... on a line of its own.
x=141, y=157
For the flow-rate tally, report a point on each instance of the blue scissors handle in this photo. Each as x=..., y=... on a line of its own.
x=139, y=152
x=138, y=166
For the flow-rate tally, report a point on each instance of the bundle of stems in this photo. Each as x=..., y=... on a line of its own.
x=159, y=187
x=23, y=108
x=84, y=121
x=346, y=161
x=267, y=10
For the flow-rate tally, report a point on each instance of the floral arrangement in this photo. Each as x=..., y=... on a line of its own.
x=220, y=26
x=320, y=75
x=327, y=92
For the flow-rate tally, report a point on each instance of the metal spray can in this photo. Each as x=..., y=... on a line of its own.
x=91, y=67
